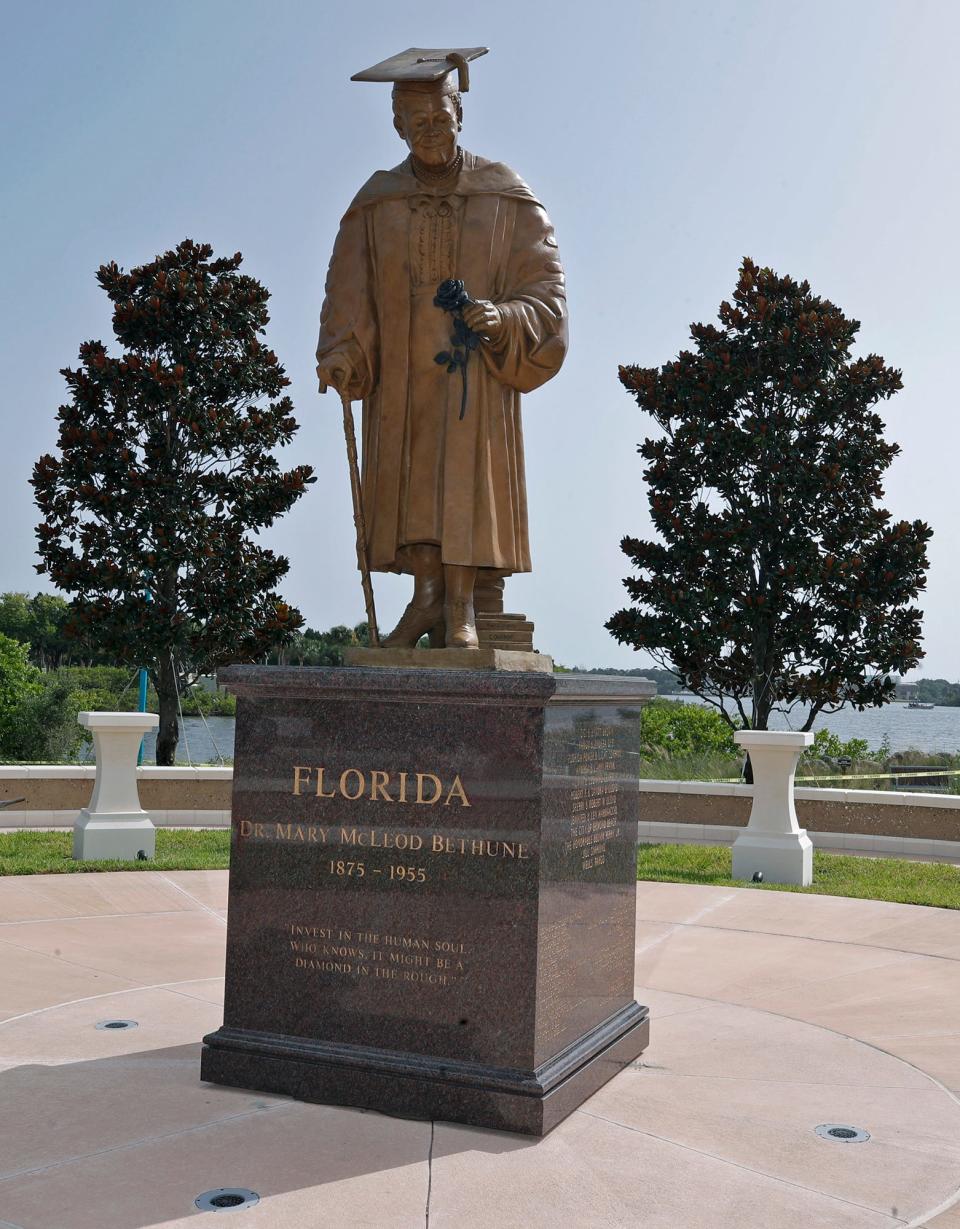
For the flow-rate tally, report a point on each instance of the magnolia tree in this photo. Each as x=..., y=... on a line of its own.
x=166, y=473
x=777, y=578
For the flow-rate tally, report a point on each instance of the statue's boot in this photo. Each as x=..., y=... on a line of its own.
x=458, y=612
x=425, y=610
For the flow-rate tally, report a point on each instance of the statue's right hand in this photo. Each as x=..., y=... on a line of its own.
x=335, y=371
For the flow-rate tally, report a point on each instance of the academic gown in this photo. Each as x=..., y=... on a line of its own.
x=427, y=474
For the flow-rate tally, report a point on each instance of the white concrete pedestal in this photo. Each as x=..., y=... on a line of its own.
x=773, y=842
x=114, y=825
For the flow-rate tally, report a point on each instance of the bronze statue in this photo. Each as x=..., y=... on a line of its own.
x=444, y=493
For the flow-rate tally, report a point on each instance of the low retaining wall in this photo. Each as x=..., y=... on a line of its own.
x=175, y=797
x=871, y=821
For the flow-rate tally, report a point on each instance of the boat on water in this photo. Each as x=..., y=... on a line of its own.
x=918, y=704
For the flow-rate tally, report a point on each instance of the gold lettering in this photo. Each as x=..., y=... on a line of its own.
x=246, y=827
x=457, y=789
x=360, y=778
x=321, y=792
x=438, y=788
x=259, y=830
x=283, y=832
x=378, y=786
x=437, y=843
x=301, y=774
x=403, y=787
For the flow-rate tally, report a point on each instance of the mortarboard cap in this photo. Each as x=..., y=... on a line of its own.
x=425, y=68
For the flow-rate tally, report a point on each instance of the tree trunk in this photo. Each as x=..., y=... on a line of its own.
x=169, y=733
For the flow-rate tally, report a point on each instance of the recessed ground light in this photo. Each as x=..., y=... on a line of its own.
x=226, y=1199
x=841, y=1134
x=118, y=1024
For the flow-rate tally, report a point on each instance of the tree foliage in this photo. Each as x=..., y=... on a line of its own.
x=678, y=729
x=19, y=680
x=827, y=745
x=38, y=714
x=38, y=621
x=777, y=578
x=314, y=648
x=166, y=474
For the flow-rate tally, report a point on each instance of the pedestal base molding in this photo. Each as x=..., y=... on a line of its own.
x=418, y=1086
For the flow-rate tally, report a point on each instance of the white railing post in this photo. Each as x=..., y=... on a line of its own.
x=773, y=841
x=114, y=825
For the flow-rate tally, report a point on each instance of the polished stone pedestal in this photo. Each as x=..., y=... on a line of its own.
x=432, y=891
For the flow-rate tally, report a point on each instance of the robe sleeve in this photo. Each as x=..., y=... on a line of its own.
x=534, y=307
x=348, y=322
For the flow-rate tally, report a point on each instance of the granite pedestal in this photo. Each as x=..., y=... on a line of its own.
x=432, y=891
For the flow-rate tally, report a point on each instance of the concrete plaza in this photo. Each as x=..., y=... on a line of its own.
x=772, y=1013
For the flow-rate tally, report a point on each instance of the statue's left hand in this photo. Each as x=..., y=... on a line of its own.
x=484, y=318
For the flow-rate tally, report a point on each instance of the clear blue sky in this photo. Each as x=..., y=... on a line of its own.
x=667, y=140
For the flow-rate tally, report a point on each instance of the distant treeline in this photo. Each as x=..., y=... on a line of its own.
x=315, y=648
x=927, y=691
x=38, y=621
x=938, y=691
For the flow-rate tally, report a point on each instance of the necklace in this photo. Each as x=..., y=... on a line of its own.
x=428, y=174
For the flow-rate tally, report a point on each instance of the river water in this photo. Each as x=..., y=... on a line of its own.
x=934, y=729
x=906, y=729
x=201, y=742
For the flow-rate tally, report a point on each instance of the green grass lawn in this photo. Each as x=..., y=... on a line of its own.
x=909, y=883
x=46, y=853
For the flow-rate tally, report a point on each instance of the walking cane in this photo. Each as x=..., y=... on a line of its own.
x=363, y=563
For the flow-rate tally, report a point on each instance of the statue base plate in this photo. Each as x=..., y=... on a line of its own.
x=453, y=659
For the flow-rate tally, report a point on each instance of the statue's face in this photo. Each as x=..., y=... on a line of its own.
x=429, y=125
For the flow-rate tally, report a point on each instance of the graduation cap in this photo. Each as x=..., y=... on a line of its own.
x=425, y=68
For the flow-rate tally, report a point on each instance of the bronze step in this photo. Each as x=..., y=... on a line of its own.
x=495, y=625
x=505, y=631
x=488, y=595
x=505, y=640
